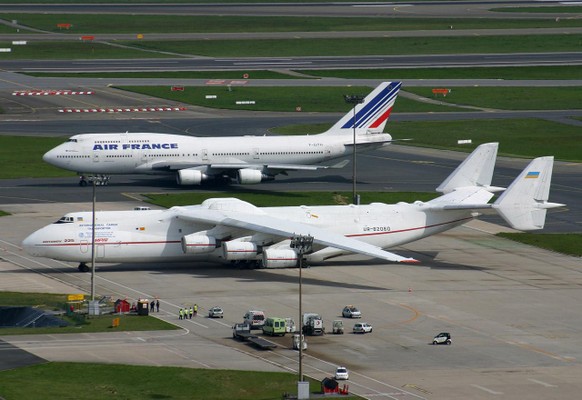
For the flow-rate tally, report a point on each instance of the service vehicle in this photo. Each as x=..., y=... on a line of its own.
x=290, y=325
x=215, y=312
x=362, y=327
x=312, y=324
x=338, y=327
x=442, y=338
x=241, y=331
x=255, y=318
x=296, y=339
x=342, y=374
x=350, y=311
x=274, y=327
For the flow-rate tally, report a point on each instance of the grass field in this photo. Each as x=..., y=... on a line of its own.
x=74, y=50
x=517, y=137
x=366, y=46
x=21, y=157
x=287, y=99
x=561, y=243
x=266, y=198
x=294, y=47
x=104, y=382
x=80, y=323
x=505, y=73
x=144, y=24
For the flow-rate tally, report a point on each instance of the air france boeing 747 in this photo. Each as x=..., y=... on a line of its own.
x=243, y=159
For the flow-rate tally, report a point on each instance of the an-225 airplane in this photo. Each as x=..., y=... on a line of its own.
x=243, y=159
x=233, y=230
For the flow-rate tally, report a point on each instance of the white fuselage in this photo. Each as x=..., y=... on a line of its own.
x=154, y=235
x=148, y=153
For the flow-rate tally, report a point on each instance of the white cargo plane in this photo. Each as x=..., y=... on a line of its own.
x=243, y=159
x=229, y=229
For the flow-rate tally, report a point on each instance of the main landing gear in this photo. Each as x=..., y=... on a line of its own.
x=83, y=267
x=100, y=180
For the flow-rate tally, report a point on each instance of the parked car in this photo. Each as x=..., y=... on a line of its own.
x=362, y=327
x=215, y=312
x=342, y=374
x=442, y=338
x=351, y=312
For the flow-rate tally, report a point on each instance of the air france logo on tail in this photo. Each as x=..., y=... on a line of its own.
x=532, y=175
x=377, y=110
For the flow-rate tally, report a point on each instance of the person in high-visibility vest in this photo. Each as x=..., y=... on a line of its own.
x=181, y=313
x=191, y=312
x=195, y=309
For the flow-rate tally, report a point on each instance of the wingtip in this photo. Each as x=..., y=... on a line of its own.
x=410, y=261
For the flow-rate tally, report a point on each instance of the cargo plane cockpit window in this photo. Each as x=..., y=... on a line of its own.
x=65, y=220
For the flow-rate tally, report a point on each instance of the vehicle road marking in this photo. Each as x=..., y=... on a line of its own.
x=541, y=383
x=486, y=390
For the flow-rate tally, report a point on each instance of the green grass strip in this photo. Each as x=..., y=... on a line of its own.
x=510, y=98
x=214, y=75
x=74, y=50
x=517, y=137
x=90, y=381
x=310, y=99
x=21, y=157
x=266, y=198
x=506, y=73
x=366, y=46
x=561, y=243
x=144, y=24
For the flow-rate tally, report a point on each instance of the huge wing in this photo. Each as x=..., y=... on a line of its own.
x=285, y=229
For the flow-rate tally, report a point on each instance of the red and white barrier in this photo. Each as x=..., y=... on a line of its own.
x=51, y=92
x=118, y=110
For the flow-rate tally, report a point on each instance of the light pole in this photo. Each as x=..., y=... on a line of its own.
x=354, y=99
x=302, y=244
x=93, y=245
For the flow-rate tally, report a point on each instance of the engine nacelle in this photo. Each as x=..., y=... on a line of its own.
x=190, y=177
x=237, y=250
x=198, y=244
x=248, y=176
x=279, y=258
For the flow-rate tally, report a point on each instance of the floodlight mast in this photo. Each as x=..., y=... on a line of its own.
x=354, y=99
x=302, y=244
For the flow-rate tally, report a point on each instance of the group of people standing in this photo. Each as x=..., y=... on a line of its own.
x=188, y=313
x=155, y=305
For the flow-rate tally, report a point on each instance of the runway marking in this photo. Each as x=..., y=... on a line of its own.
x=486, y=390
x=541, y=383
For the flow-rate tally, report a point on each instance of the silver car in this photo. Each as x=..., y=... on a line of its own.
x=351, y=312
x=215, y=312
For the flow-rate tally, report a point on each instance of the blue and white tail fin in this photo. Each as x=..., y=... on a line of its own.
x=371, y=115
x=525, y=202
x=476, y=170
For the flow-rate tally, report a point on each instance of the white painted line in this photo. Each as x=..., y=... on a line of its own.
x=487, y=390
x=541, y=383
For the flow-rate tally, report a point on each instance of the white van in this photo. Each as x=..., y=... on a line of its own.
x=254, y=318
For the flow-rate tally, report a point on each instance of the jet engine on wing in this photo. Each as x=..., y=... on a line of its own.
x=249, y=176
x=236, y=250
x=198, y=244
x=190, y=177
x=279, y=258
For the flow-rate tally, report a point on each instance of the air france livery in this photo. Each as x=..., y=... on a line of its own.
x=242, y=159
x=231, y=230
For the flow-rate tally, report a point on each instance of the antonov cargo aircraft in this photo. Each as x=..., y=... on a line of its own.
x=229, y=229
x=243, y=159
